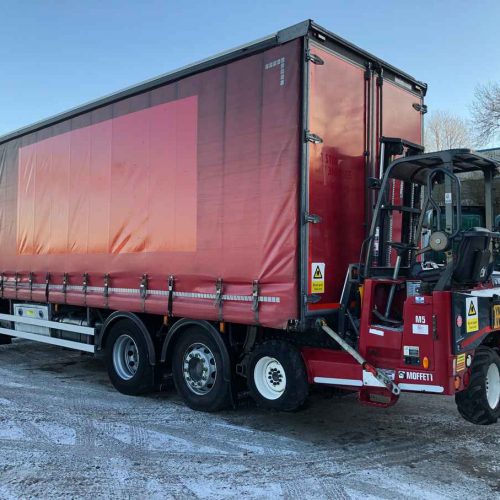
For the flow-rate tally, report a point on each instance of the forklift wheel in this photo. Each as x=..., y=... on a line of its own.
x=277, y=376
x=480, y=402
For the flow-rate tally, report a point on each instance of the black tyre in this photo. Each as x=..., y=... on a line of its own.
x=277, y=376
x=127, y=359
x=480, y=402
x=5, y=339
x=198, y=371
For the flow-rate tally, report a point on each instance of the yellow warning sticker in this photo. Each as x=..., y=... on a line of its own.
x=460, y=363
x=472, y=315
x=496, y=316
x=472, y=310
x=318, y=277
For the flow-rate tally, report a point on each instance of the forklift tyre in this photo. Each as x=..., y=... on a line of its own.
x=480, y=402
x=277, y=376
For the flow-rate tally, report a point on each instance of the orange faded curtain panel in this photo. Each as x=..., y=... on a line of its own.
x=123, y=185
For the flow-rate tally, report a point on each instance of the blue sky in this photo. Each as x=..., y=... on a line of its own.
x=58, y=54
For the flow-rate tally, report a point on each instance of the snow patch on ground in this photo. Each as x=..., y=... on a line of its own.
x=59, y=434
x=10, y=430
x=65, y=433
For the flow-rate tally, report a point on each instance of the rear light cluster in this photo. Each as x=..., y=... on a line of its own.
x=461, y=369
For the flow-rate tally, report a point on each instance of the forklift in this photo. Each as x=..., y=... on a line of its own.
x=406, y=322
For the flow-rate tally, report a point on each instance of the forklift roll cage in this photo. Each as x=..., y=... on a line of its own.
x=419, y=172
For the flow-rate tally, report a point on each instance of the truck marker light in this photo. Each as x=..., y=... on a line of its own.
x=458, y=382
x=222, y=327
x=460, y=321
x=468, y=361
x=425, y=362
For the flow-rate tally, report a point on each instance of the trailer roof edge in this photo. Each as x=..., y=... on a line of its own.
x=384, y=64
x=285, y=35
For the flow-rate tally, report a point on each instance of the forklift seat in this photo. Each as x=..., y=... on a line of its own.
x=474, y=256
x=426, y=275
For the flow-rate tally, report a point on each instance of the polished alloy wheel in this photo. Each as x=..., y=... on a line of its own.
x=199, y=368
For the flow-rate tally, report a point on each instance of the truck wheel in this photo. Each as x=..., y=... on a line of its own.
x=5, y=339
x=127, y=359
x=197, y=370
x=480, y=402
x=277, y=376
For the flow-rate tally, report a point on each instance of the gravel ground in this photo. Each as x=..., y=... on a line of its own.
x=65, y=432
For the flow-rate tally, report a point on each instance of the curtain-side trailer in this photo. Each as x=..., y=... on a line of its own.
x=201, y=225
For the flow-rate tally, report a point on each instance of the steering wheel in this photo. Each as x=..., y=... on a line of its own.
x=400, y=247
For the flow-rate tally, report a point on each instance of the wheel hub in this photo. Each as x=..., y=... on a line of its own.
x=275, y=376
x=199, y=369
x=270, y=377
x=125, y=357
x=492, y=384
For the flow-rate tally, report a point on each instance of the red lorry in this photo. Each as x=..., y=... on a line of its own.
x=255, y=221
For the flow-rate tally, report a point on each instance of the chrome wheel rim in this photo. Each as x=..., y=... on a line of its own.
x=125, y=357
x=269, y=377
x=493, y=386
x=199, y=368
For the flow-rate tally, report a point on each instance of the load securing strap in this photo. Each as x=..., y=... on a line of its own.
x=218, y=297
x=255, y=300
x=171, y=283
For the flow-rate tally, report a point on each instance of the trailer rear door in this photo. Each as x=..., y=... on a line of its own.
x=336, y=173
x=351, y=104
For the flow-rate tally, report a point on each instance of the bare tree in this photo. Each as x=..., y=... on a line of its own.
x=486, y=111
x=444, y=130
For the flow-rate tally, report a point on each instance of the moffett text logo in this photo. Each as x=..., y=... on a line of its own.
x=417, y=376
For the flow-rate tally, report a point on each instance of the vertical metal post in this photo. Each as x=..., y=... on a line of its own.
x=304, y=184
x=371, y=134
x=448, y=204
x=392, y=290
x=373, y=127
x=381, y=167
x=488, y=199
